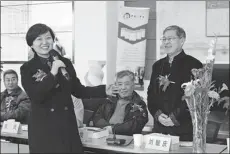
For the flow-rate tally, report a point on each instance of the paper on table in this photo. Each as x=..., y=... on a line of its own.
x=185, y=144
x=25, y=127
x=93, y=132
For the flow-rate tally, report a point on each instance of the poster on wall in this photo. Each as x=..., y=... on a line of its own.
x=131, y=44
x=217, y=12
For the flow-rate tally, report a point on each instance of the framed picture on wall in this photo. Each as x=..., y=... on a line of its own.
x=217, y=18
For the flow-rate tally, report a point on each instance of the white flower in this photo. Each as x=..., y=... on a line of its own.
x=210, y=51
x=224, y=87
x=184, y=85
x=213, y=94
x=210, y=56
x=189, y=88
x=196, y=82
x=212, y=43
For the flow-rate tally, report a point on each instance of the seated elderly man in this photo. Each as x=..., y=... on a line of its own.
x=15, y=104
x=125, y=114
x=93, y=77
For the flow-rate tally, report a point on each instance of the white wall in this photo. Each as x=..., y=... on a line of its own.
x=91, y=40
x=90, y=34
x=190, y=15
x=112, y=9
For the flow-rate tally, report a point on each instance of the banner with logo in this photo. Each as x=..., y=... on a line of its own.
x=131, y=44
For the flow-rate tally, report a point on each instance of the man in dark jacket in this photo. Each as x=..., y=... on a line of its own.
x=171, y=115
x=125, y=114
x=15, y=104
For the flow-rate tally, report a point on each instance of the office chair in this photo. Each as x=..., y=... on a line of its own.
x=88, y=115
x=213, y=128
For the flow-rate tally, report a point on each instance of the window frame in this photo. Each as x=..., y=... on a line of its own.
x=73, y=30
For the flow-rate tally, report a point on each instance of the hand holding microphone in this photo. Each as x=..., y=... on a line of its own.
x=112, y=90
x=58, y=65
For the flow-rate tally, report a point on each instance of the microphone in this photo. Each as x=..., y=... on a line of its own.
x=114, y=140
x=54, y=55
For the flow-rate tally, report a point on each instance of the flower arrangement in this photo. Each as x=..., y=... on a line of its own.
x=200, y=94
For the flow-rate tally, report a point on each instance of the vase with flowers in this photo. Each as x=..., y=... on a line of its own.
x=200, y=94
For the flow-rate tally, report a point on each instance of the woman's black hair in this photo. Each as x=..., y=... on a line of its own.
x=36, y=30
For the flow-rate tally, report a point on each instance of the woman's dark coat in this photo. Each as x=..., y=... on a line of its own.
x=52, y=124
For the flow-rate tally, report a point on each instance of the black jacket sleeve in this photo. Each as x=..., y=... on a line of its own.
x=151, y=95
x=81, y=91
x=99, y=119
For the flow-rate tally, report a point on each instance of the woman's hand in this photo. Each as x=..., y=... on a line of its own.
x=55, y=66
x=112, y=90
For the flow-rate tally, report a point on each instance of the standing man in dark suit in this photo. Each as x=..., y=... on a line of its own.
x=170, y=113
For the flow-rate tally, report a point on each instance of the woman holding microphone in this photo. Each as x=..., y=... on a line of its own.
x=52, y=124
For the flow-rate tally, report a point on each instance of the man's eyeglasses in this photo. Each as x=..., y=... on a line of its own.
x=170, y=39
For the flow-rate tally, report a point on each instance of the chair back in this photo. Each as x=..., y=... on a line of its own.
x=213, y=128
x=88, y=115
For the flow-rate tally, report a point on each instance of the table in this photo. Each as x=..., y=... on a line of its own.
x=101, y=145
x=22, y=135
x=95, y=144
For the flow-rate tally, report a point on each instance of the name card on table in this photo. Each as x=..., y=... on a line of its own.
x=11, y=126
x=158, y=143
